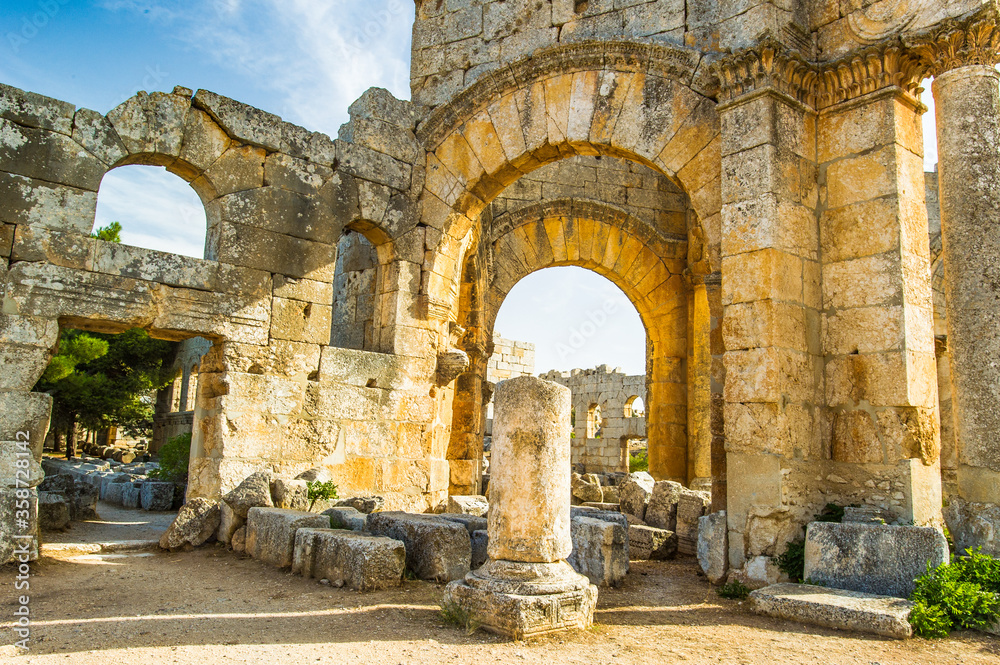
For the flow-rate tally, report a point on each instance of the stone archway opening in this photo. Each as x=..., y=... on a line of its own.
x=156, y=209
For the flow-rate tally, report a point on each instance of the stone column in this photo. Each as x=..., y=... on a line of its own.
x=962, y=58
x=526, y=587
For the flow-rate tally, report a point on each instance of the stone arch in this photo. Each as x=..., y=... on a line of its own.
x=631, y=411
x=649, y=269
x=644, y=103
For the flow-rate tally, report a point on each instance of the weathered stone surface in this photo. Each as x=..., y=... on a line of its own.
x=974, y=525
x=239, y=540
x=646, y=542
x=241, y=121
x=53, y=511
x=662, y=509
x=346, y=517
x=471, y=522
x=436, y=549
x=157, y=496
x=291, y=494
x=253, y=492
x=529, y=433
x=872, y=558
x=132, y=494
x=713, y=546
x=270, y=533
x=364, y=504
x=196, y=522
x=469, y=505
x=690, y=507
x=480, y=541
x=586, y=490
x=229, y=524
x=362, y=561
x=600, y=551
x=83, y=499
x=518, y=616
x=835, y=608
x=635, y=493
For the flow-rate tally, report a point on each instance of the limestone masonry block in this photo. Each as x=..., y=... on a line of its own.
x=436, y=548
x=270, y=534
x=361, y=561
x=872, y=558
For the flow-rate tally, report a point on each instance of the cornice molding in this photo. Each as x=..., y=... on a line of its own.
x=771, y=65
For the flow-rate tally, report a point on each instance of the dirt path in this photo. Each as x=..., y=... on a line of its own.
x=115, y=523
x=209, y=605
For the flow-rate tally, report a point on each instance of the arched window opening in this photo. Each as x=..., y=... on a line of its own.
x=594, y=422
x=354, y=293
x=634, y=407
x=156, y=210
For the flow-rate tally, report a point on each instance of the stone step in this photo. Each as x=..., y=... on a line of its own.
x=835, y=608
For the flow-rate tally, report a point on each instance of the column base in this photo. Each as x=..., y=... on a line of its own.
x=557, y=599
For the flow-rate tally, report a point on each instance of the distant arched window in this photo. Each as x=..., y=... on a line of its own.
x=156, y=209
x=594, y=421
x=634, y=407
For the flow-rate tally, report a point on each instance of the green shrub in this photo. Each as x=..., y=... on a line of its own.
x=734, y=590
x=316, y=491
x=792, y=561
x=638, y=461
x=929, y=620
x=962, y=594
x=174, y=457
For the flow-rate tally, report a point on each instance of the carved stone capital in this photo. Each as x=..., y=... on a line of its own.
x=873, y=68
x=970, y=40
x=450, y=364
x=770, y=64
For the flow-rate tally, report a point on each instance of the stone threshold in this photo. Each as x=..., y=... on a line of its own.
x=835, y=608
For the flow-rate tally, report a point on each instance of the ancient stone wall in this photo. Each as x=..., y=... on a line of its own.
x=609, y=396
x=780, y=259
x=510, y=358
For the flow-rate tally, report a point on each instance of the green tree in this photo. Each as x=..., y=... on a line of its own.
x=98, y=380
x=111, y=232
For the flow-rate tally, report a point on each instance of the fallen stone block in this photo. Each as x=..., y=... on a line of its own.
x=156, y=495
x=480, y=541
x=612, y=496
x=713, y=546
x=471, y=504
x=83, y=499
x=470, y=522
x=364, y=504
x=872, y=558
x=691, y=505
x=835, y=608
x=239, y=540
x=132, y=494
x=647, y=542
x=586, y=490
x=635, y=493
x=662, y=509
x=290, y=494
x=196, y=522
x=345, y=517
x=362, y=561
x=602, y=505
x=253, y=492
x=53, y=511
x=270, y=535
x=599, y=550
x=229, y=523
x=436, y=548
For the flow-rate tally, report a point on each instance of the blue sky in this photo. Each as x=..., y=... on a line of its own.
x=305, y=60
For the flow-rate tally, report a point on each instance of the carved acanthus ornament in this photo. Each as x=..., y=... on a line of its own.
x=974, y=41
x=768, y=65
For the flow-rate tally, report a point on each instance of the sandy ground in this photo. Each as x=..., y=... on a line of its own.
x=210, y=605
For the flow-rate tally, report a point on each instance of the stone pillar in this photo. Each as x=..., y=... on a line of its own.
x=185, y=388
x=699, y=381
x=526, y=587
x=962, y=58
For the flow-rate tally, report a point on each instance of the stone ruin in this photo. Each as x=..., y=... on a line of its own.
x=749, y=174
x=606, y=418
